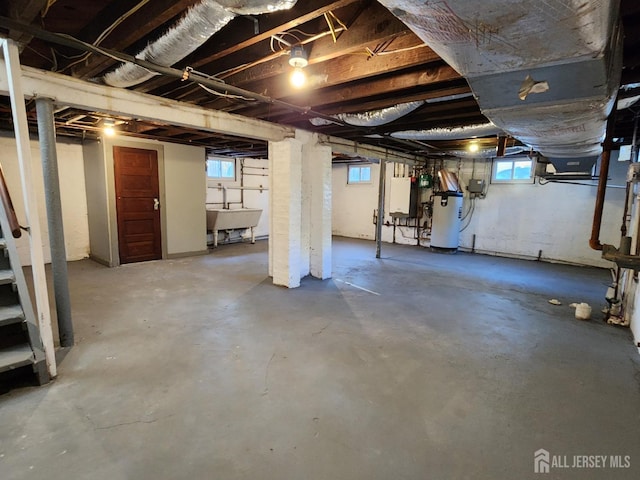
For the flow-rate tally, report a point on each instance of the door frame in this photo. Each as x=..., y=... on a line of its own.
x=111, y=187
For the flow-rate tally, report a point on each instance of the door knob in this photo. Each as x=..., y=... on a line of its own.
x=156, y=204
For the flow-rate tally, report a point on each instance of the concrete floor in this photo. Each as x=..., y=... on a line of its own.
x=449, y=367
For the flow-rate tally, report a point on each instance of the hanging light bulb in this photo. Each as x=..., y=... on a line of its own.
x=298, y=60
x=108, y=127
x=298, y=78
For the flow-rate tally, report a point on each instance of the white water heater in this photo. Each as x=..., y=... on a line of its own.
x=447, y=217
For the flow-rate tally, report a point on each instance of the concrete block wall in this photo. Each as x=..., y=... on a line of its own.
x=300, y=224
x=285, y=167
x=72, y=196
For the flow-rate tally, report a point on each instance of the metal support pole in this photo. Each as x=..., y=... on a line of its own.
x=21, y=130
x=383, y=174
x=47, y=135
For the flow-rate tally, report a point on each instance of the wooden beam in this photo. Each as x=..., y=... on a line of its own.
x=373, y=94
x=373, y=27
x=343, y=69
x=24, y=11
x=143, y=22
x=239, y=38
x=116, y=101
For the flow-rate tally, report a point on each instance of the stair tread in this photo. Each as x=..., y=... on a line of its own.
x=7, y=276
x=11, y=314
x=15, y=356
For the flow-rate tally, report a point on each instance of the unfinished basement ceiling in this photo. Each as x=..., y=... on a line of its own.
x=365, y=65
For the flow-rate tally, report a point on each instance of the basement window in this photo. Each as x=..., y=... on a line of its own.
x=221, y=169
x=514, y=170
x=359, y=174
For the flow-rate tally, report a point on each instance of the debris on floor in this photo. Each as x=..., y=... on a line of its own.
x=555, y=301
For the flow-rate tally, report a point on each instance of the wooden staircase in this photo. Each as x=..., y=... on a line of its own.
x=21, y=350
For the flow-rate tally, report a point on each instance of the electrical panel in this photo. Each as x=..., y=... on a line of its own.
x=476, y=185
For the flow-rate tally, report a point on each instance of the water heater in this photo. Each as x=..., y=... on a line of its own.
x=447, y=216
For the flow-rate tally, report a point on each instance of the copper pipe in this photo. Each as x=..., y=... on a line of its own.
x=594, y=241
x=5, y=197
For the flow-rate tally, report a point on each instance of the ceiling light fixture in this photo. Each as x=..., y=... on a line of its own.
x=298, y=57
x=473, y=147
x=298, y=60
x=108, y=127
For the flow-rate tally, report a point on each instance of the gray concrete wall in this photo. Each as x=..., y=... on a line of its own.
x=97, y=204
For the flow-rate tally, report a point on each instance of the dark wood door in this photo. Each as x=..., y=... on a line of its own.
x=137, y=204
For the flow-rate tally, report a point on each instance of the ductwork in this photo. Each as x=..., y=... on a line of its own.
x=256, y=7
x=373, y=118
x=482, y=153
x=449, y=133
x=509, y=50
x=193, y=30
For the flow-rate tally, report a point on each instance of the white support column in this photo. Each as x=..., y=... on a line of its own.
x=307, y=139
x=21, y=128
x=318, y=158
x=285, y=171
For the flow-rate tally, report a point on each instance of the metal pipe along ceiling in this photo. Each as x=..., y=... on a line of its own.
x=193, y=30
x=535, y=51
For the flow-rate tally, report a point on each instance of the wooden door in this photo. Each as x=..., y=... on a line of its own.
x=137, y=204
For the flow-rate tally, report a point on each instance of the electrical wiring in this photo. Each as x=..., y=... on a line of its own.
x=225, y=95
x=372, y=53
x=470, y=214
x=46, y=8
x=105, y=33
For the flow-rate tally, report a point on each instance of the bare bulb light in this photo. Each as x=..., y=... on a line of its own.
x=108, y=128
x=474, y=147
x=298, y=78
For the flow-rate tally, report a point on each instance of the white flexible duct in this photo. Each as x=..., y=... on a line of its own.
x=449, y=133
x=193, y=30
x=486, y=152
x=373, y=118
x=255, y=7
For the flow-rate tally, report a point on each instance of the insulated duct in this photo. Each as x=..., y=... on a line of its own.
x=193, y=30
x=373, y=118
x=482, y=153
x=449, y=133
x=563, y=57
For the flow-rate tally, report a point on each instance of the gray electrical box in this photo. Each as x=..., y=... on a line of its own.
x=476, y=185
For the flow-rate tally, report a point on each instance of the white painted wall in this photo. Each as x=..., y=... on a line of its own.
x=353, y=204
x=524, y=219
x=72, y=195
x=250, y=172
x=513, y=220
